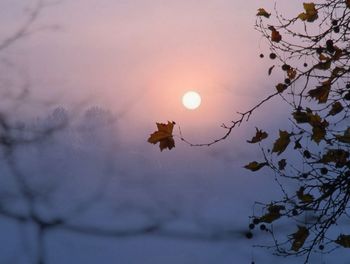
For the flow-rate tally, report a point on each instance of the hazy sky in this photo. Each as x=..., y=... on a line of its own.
x=136, y=58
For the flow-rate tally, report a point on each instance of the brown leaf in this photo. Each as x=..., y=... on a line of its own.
x=347, y=3
x=270, y=69
x=282, y=164
x=281, y=143
x=273, y=213
x=305, y=198
x=321, y=92
x=259, y=136
x=255, y=166
x=337, y=107
x=343, y=240
x=310, y=14
x=281, y=87
x=275, y=36
x=291, y=73
x=338, y=156
x=164, y=136
x=263, y=12
x=299, y=238
x=324, y=65
x=345, y=138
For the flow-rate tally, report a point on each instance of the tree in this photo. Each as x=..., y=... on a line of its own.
x=311, y=52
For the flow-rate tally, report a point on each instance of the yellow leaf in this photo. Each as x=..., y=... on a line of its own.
x=263, y=12
x=310, y=14
x=281, y=143
x=254, y=166
x=299, y=238
x=343, y=240
x=164, y=136
x=259, y=135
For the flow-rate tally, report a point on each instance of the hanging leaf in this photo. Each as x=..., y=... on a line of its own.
x=344, y=138
x=343, y=240
x=347, y=3
x=255, y=166
x=164, y=136
x=263, y=12
x=310, y=14
x=281, y=143
x=273, y=214
x=299, y=238
x=301, y=117
x=338, y=156
x=321, y=92
x=323, y=65
x=270, y=69
x=259, y=136
x=281, y=87
x=318, y=127
x=282, y=164
x=305, y=198
x=337, y=107
x=275, y=35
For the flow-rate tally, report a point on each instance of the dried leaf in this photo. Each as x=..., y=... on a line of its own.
x=343, y=240
x=263, y=12
x=275, y=36
x=299, y=238
x=282, y=164
x=164, y=136
x=305, y=198
x=273, y=213
x=337, y=107
x=259, y=136
x=281, y=87
x=323, y=65
x=344, y=138
x=281, y=143
x=255, y=166
x=291, y=73
x=338, y=156
x=321, y=92
x=310, y=14
x=270, y=69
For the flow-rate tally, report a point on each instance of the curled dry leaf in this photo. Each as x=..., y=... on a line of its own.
x=263, y=12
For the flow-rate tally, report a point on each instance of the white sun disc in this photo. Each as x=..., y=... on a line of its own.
x=191, y=100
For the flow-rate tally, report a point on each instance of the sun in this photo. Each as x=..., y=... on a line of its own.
x=191, y=100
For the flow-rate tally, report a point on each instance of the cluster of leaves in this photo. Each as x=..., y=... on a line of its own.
x=315, y=66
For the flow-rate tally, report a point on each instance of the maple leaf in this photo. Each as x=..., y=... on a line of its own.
x=310, y=14
x=263, y=12
x=299, y=238
x=321, y=92
x=164, y=136
x=281, y=143
x=259, y=136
